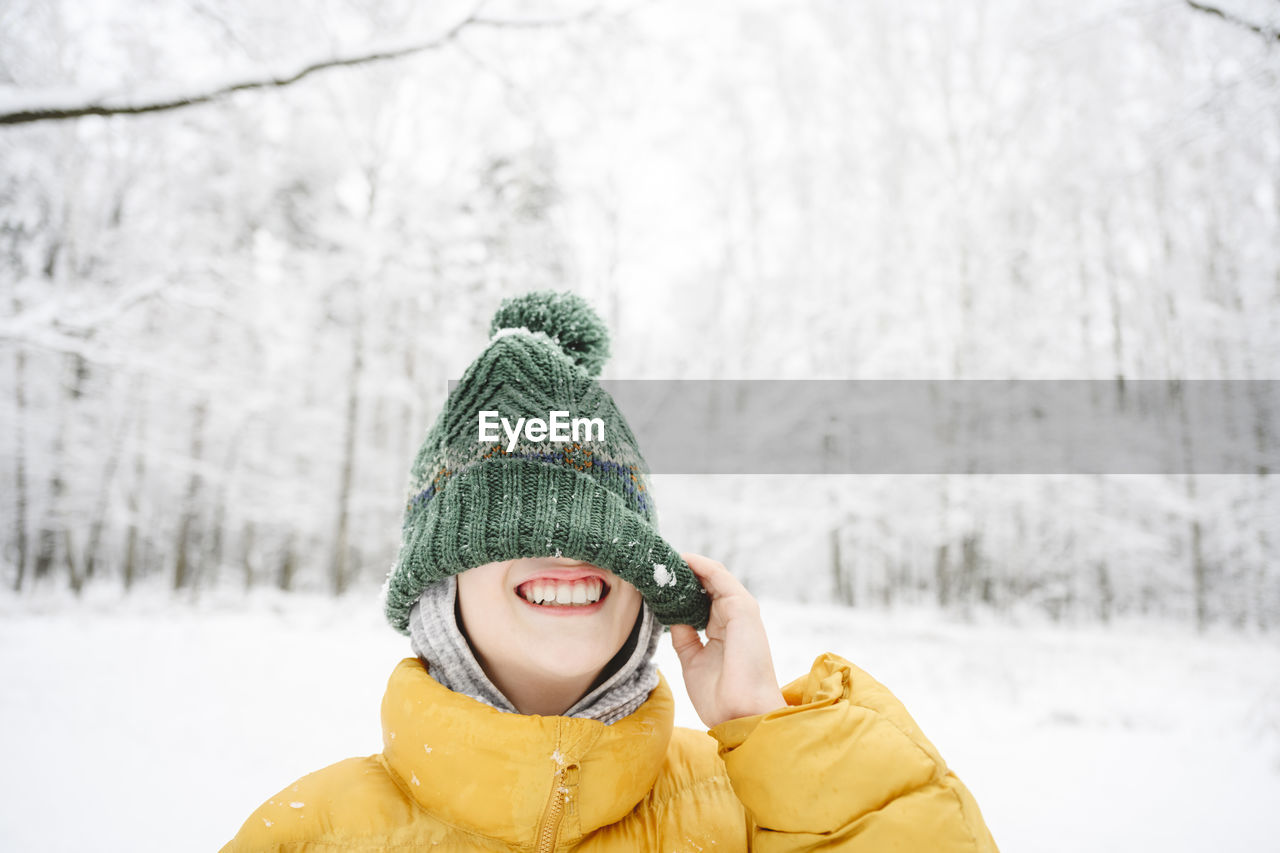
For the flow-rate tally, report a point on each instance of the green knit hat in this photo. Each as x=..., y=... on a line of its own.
x=473, y=502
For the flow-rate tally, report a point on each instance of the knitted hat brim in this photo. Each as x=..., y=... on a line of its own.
x=505, y=509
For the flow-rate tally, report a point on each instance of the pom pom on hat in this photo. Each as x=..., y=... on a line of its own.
x=566, y=318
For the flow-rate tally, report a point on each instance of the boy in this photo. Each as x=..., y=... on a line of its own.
x=534, y=585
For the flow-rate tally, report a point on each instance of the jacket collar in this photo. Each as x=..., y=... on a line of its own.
x=492, y=772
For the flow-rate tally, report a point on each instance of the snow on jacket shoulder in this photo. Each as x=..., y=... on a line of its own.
x=842, y=767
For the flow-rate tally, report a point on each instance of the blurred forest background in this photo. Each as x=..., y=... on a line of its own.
x=226, y=326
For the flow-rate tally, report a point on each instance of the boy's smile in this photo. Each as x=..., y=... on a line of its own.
x=575, y=591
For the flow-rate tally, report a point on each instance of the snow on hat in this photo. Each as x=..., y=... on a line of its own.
x=473, y=502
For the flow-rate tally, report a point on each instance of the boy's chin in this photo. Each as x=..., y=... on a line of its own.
x=567, y=661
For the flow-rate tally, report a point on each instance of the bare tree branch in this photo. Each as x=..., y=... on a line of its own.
x=84, y=325
x=1269, y=34
x=43, y=106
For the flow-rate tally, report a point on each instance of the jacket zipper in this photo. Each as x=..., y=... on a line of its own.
x=551, y=818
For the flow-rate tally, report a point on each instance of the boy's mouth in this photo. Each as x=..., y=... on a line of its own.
x=562, y=592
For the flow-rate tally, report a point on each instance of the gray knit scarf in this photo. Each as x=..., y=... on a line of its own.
x=623, y=685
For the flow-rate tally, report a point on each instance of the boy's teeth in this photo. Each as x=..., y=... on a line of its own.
x=563, y=593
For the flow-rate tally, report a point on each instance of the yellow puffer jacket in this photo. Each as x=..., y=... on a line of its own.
x=842, y=767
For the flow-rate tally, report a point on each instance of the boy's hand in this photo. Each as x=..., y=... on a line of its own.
x=731, y=675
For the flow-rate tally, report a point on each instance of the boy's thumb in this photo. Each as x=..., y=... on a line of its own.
x=686, y=642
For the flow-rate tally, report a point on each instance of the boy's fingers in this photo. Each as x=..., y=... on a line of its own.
x=685, y=641
x=715, y=578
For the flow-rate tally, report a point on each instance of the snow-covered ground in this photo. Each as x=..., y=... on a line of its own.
x=146, y=724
